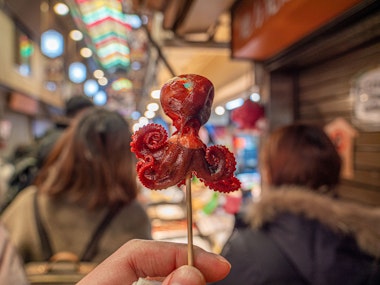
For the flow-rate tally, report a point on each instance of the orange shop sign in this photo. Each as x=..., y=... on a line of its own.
x=263, y=28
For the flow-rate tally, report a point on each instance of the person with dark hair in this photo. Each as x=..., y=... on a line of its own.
x=74, y=106
x=90, y=170
x=28, y=163
x=300, y=231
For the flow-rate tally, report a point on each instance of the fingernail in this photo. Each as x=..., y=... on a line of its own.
x=185, y=275
x=222, y=259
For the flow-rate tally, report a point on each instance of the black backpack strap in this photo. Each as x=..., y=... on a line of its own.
x=92, y=246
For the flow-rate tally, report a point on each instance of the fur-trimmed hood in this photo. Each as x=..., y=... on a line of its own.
x=345, y=217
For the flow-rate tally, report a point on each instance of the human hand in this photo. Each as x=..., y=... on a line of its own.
x=164, y=261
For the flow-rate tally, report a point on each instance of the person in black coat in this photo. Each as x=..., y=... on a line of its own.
x=300, y=231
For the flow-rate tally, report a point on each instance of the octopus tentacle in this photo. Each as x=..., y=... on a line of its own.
x=221, y=159
x=148, y=139
x=144, y=170
x=155, y=177
x=225, y=186
x=220, y=164
x=165, y=167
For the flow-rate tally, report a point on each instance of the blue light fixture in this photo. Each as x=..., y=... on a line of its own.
x=52, y=44
x=90, y=87
x=233, y=104
x=133, y=20
x=100, y=98
x=77, y=72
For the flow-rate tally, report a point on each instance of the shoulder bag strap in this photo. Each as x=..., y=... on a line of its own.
x=92, y=246
x=47, y=251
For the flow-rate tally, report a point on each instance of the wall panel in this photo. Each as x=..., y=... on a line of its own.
x=324, y=94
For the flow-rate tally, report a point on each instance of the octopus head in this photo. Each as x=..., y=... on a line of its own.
x=187, y=99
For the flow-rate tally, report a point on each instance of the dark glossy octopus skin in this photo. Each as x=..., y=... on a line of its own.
x=164, y=161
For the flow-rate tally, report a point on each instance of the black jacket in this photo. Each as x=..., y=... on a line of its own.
x=297, y=236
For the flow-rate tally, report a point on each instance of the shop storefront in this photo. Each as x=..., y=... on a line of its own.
x=325, y=72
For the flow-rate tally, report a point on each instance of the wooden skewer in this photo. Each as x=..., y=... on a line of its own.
x=189, y=207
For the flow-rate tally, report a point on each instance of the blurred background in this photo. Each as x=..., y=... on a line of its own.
x=128, y=48
x=272, y=62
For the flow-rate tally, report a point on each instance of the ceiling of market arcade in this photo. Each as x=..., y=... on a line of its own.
x=176, y=37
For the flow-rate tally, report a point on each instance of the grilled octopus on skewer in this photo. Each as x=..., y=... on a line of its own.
x=167, y=161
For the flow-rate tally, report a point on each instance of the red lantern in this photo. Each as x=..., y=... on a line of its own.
x=248, y=114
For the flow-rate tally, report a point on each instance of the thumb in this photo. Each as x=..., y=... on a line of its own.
x=185, y=275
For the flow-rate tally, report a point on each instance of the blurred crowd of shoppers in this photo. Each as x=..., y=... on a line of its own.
x=27, y=159
x=89, y=170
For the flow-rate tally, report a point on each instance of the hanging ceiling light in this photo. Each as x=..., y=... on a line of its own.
x=52, y=43
x=76, y=35
x=233, y=104
x=77, y=72
x=61, y=9
x=122, y=84
x=85, y=52
x=90, y=87
x=100, y=98
x=155, y=94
